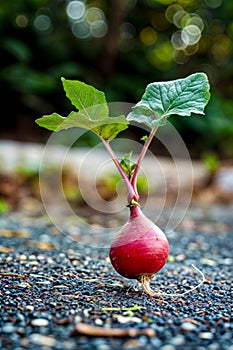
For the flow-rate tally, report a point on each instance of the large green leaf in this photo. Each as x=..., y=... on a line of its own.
x=86, y=98
x=107, y=128
x=181, y=97
x=92, y=112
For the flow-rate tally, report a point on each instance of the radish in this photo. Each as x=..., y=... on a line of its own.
x=140, y=249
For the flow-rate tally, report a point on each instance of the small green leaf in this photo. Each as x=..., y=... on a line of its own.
x=51, y=122
x=127, y=165
x=87, y=99
x=110, y=127
x=144, y=138
x=181, y=97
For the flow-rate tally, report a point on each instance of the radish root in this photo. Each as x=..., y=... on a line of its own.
x=145, y=281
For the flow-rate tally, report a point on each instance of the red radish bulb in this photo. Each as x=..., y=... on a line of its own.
x=140, y=249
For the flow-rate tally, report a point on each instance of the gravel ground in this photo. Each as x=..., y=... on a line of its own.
x=59, y=294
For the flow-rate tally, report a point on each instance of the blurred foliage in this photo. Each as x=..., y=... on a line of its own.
x=211, y=162
x=4, y=207
x=119, y=47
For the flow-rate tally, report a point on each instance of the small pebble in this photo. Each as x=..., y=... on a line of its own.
x=209, y=262
x=125, y=319
x=156, y=342
x=215, y=346
x=188, y=327
x=167, y=347
x=29, y=307
x=131, y=344
x=40, y=322
x=77, y=319
x=178, y=340
x=86, y=313
x=99, y=322
x=24, y=285
x=206, y=335
x=23, y=257
x=8, y=328
x=103, y=347
x=43, y=340
x=32, y=257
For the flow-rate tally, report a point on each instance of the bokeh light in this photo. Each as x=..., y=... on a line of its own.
x=191, y=34
x=185, y=40
x=177, y=40
x=99, y=28
x=42, y=23
x=179, y=18
x=148, y=36
x=162, y=55
x=180, y=56
x=171, y=11
x=75, y=10
x=21, y=21
x=197, y=21
x=213, y=3
x=86, y=23
x=94, y=14
x=81, y=29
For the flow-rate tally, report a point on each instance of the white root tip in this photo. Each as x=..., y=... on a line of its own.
x=145, y=281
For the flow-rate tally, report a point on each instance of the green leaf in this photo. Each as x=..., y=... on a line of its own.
x=110, y=127
x=87, y=99
x=107, y=128
x=92, y=112
x=127, y=165
x=144, y=138
x=51, y=122
x=162, y=99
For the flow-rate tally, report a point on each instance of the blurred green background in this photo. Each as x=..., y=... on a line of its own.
x=119, y=47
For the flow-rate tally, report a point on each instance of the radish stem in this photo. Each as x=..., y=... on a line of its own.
x=130, y=190
x=140, y=159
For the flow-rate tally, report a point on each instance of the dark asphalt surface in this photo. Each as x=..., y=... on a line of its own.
x=52, y=287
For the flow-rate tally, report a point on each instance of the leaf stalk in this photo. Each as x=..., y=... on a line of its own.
x=130, y=190
x=140, y=159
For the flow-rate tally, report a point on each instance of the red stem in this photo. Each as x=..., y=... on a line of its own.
x=129, y=187
x=140, y=159
x=135, y=212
